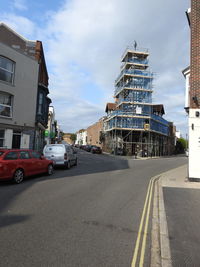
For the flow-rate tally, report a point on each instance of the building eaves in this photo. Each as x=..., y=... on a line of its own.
x=31, y=42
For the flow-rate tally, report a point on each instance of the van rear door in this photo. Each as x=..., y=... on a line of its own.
x=55, y=153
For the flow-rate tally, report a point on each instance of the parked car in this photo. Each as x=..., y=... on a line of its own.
x=61, y=154
x=17, y=163
x=96, y=149
x=88, y=148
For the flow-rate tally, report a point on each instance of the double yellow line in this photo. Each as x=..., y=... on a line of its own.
x=143, y=228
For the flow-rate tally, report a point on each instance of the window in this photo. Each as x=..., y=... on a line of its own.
x=35, y=155
x=11, y=156
x=40, y=103
x=54, y=149
x=2, y=133
x=24, y=155
x=6, y=69
x=5, y=105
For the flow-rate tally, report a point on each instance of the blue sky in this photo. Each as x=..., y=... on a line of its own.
x=84, y=41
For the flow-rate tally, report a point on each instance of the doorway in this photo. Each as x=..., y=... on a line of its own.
x=16, y=142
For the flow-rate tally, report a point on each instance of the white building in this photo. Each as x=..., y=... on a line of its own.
x=81, y=137
x=50, y=133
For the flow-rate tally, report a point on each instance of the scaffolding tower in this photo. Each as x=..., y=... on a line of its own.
x=134, y=125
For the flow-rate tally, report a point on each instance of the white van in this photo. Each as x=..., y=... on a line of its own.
x=61, y=154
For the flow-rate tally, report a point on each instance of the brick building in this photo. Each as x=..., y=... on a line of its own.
x=192, y=106
x=94, y=133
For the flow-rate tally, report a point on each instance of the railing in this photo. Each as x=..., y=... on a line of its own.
x=132, y=48
x=136, y=123
x=147, y=74
x=159, y=118
x=135, y=60
x=126, y=113
x=133, y=85
x=137, y=100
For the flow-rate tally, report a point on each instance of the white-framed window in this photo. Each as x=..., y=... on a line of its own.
x=5, y=105
x=2, y=137
x=7, y=67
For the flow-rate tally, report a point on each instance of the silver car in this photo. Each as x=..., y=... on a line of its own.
x=61, y=154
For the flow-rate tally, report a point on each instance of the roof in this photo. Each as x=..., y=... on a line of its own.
x=13, y=31
x=158, y=108
x=111, y=106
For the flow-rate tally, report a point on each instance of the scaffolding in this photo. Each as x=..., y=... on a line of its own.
x=133, y=127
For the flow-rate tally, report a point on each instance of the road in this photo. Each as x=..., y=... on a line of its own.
x=86, y=216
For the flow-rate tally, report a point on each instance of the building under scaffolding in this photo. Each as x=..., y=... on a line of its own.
x=135, y=126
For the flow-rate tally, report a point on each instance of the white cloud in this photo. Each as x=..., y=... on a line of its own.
x=20, y=4
x=83, y=44
x=20, y=24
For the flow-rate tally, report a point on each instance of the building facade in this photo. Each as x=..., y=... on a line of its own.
x=134, y=125
x=23, y=76
x=81, y=137
x=50, y=132
x=94, y=133
x=192, y=75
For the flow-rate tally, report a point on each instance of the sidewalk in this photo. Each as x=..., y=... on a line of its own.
x=179, y=219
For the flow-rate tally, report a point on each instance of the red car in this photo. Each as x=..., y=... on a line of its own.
x=17, y=163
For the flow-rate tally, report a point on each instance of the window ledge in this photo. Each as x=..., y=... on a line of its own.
x=7, y=83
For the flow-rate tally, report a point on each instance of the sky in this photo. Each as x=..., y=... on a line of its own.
x=84, y=40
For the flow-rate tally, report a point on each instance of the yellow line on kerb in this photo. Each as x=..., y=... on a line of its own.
x=146, y=228
x=134, y=260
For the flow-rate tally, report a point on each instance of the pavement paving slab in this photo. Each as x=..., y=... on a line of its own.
x=182, y=212
x=181, y=200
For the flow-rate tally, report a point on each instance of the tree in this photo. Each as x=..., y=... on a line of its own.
x=73, y=137
x=181, y=146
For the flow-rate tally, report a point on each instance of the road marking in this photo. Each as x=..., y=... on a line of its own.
x=133, y=264
x=146, y=228
x=143, y=225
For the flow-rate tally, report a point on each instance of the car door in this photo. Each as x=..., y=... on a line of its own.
x=38, y=162
x=26, y=162
x=10, y=164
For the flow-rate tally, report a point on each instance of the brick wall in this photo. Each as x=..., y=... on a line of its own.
x=195, y=55
x=93, y=133
x=13, y=40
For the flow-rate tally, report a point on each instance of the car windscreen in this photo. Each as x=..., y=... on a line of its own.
x=54, y=149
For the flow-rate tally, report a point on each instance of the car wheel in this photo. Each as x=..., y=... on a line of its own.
x=68, y=165
x=50, y=169
x=18, y=176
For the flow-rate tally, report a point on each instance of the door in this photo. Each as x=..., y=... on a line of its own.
x=26, y=162
x=38, y=162
x=25, y=140
x=16, y=142
x=10, y=164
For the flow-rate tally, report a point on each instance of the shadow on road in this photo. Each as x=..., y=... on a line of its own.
x=87, y=164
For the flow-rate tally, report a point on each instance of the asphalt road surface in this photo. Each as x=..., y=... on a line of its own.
x=86, y=216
